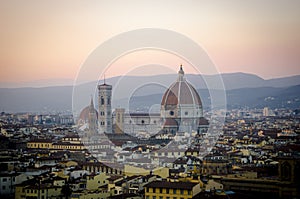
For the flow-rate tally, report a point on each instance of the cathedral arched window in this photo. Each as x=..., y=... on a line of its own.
x=102, y=100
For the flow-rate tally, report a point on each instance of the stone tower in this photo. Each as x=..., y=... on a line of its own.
x=119, y=120
x=92, y=119
x=104, y=111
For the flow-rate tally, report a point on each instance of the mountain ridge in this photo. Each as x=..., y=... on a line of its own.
x=252, y=91
x=225, y=76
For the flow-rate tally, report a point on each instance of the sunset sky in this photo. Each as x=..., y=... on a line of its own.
x=51, y=39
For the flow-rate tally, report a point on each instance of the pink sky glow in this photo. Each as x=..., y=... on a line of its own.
x=51, y=39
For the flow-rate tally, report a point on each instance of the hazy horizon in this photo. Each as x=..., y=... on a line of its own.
x=69, y=82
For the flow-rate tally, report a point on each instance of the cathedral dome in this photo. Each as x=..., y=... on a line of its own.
x=181, y=106
x=181, y=93
x=84, y=114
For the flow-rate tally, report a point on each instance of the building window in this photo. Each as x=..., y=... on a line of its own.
x=102, y=100
x=171, y=112
x=4, y=179
x=3, y=187
x=143, y=121
x=181, y=191
x=160, y=190
x=174, y=191
x=186, y=113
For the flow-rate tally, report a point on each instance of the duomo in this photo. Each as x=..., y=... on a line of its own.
x=181, y=111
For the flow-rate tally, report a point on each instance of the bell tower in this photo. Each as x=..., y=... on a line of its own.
x=104, y=108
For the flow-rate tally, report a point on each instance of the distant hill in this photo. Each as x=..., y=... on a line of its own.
x=230, y=80
x=242, y=90
x=36, y=99
x=38, y=83
x=288, y=97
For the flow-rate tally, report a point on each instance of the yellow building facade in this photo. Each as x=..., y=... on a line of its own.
x=48, y=144
x=94, y=182
x=39, y=191
x=40, y=144
x=171, y=190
